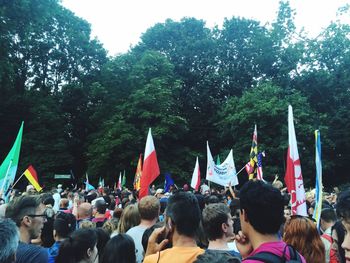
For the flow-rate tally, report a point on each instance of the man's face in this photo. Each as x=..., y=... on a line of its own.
x=346, y=242
x=229, y=229
x=37, y=222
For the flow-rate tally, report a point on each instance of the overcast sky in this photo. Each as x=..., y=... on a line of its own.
x=119, y=24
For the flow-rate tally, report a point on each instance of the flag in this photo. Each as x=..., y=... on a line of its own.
x=120, y=181
x=319, y=186
x=123, y=180
x=259, y=172
x=168, y=182
x=9, y=166
x=218, y=162
x=88, y=186
x=196, y=176
x=32, y=177
x=221, y=174
x=138, y=174
x=251, y=165
x=293, y=176
x=150, y=169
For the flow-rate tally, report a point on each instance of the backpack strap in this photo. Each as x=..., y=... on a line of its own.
x=293, y=254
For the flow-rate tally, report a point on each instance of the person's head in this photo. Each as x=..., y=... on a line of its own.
x=80, y=246
x=183, y=214
x=301, y=233
x=149, y=207
x=343, y=212
x=87, y=224
x=9, y=240
x=261, y=208
x=120, y=247
x=148, y=232
x=217, y=221
x=338, y=234
x=102, y=239
x=328, y=218
x=130, y=218
x=100, y=206
x=47, y=199
x=110, y=225
x=64, y=225
x=117, y=212
x=84, y=210
x=29, y=215
x=216, y=257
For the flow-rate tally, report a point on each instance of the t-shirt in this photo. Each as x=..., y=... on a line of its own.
x=176, y=255
x=53, y=251
x=231, y=252
x=276, y=247
x=136, y=233
x=28, y=253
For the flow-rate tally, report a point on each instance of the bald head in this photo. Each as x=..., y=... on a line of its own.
x=84, y=210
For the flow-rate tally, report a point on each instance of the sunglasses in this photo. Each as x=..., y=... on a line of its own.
x=48, y=213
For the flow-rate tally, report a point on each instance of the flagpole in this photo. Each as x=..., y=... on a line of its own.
x=240, y=170
x=17, y=181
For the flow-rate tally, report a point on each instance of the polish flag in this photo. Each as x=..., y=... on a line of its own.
x=293, y=176
x=120, y=182
x=196, y=177
x=150, y=169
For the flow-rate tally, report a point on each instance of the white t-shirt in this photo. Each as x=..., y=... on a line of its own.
x=136, y=233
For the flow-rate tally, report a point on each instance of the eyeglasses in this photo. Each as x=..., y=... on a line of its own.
x=43, y=215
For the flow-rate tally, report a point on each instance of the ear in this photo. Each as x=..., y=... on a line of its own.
x=224, y=227
x=244, y=215
x=26, y=221
x=89, y=252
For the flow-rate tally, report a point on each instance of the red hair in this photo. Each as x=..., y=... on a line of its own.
x=301, y=233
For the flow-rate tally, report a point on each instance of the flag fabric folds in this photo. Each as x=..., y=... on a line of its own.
x=119, y=186
x=293, y=176
x=221, y=174
x=88, y=186
x=168, y=182
x=123, y=180
x=196, y=176
x=319, y=186
x=259, y=172
x=9, y=166
x=138, y=174
x=150, y=169
x=32, y=177
x=251, y=165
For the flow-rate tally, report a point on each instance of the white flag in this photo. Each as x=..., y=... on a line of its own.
x=196, y=177
x=221, y=174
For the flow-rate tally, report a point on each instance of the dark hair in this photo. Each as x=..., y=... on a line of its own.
x=64, y=224
x=121, y=249
x=328, y=215
x=216, y=257
x=263, y=205
x=201, y=201
x=339, y=229
x=47, y=199
x=74, y=248
x=22, y=206
x=343, y=205
x=101, y=206
x=102, y=239
x=212, y=199
x=214, y=215
x=183, y=209
x=148, y=232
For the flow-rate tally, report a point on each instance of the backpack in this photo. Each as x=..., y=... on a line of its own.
x=269, y=257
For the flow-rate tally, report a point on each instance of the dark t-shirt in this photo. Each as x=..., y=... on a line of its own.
x=28, y=253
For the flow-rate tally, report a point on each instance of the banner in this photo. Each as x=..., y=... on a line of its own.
x=221, y=174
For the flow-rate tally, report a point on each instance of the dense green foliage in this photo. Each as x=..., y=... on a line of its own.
x=86, y=112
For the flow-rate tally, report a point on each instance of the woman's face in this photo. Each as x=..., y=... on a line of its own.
x=335, y=241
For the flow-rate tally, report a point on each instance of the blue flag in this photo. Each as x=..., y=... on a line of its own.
x=319, y=185
x=168, y=182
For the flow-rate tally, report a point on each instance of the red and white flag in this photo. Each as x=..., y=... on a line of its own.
x=294, y=177
x=150, y=169
x=120, y=181
x=196, y=177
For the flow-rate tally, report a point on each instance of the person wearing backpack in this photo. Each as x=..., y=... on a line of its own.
x=261, y=215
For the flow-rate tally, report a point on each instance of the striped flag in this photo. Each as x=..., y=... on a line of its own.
x=318, y=194
x=32, y=177
x=196, y=177
x=120, y=181
x=150, y=169
x=259, y=172
x=294, y=177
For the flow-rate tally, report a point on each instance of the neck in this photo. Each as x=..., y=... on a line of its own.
x=24, y=235
x=183, y=241
x=258, y=239
x=148, y=223
x=218, y=244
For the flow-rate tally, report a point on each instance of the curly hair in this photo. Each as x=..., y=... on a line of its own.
x=301, y=233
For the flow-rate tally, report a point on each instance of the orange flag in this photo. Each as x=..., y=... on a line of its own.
x=32, y=177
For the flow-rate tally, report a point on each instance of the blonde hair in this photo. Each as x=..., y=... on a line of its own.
x=130, y=217
x=87, y=224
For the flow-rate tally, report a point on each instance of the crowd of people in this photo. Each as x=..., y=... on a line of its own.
x=107, y=225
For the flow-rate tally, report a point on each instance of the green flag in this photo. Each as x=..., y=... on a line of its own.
x=124, y=180
x=9, y=166
x=218, y=162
